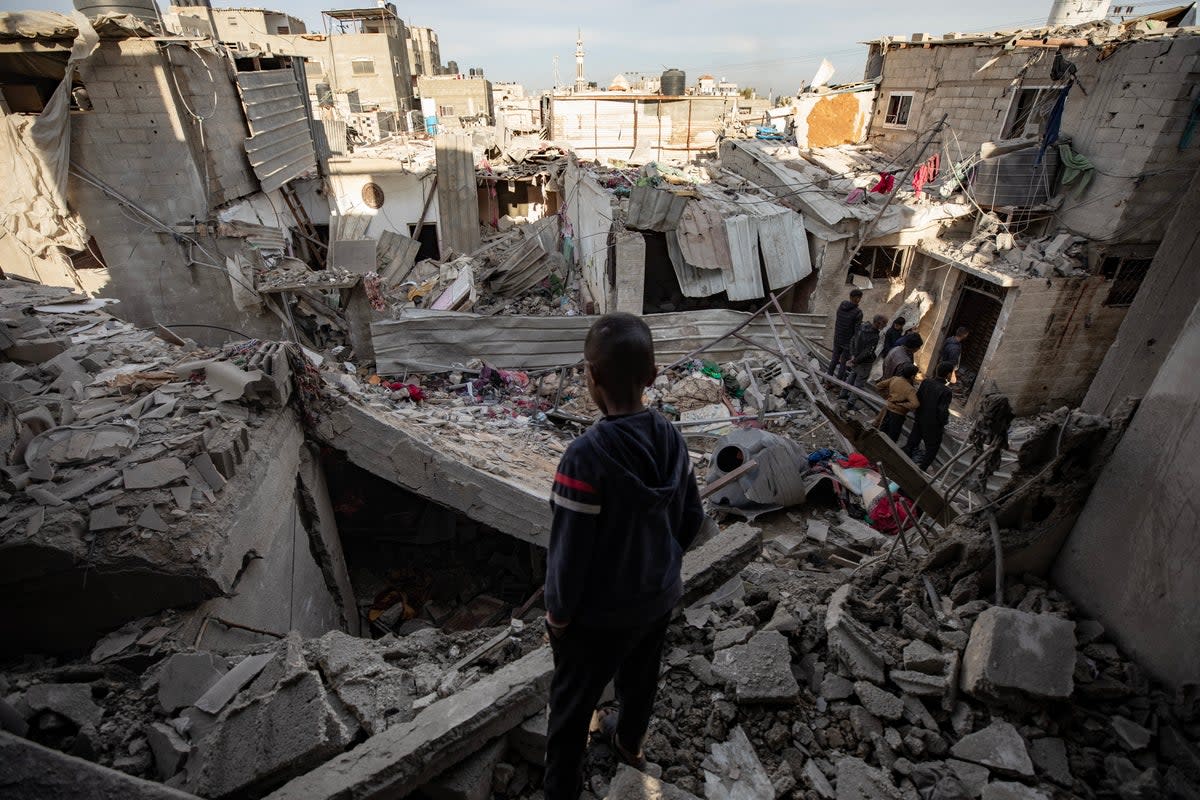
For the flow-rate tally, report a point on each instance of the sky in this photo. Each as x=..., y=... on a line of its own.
x=771, y=45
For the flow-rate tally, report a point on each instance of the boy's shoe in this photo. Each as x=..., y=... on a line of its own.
x=608, y=734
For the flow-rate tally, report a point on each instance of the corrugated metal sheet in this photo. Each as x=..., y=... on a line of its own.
x=702, y=237
x=527, y=263
x=743, y=279
x=784, y=244
x=693, y=282
x=396, y=253
x=280, y=146
x=351, y=225
x=431, y=341
x=458, y=200
x=653, y=209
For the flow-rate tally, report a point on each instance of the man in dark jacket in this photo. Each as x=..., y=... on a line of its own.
x=845, y=323
x=626, y=507
x=891, y=338
x=931, y=416
x=952, y=349
x=863, y=353
x=902, y=353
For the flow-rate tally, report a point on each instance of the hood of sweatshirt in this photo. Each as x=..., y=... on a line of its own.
x=626, y=447
x=846, y=306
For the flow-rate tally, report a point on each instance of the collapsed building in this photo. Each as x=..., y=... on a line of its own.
x=301, y=557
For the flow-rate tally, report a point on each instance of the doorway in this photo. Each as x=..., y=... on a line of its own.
x=428, y=239
x=978, y=308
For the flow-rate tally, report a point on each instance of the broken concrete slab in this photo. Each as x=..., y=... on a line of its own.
x=151, y=520
x=920, y=657
x=217, y=696
x=835, y=687
x=760, y=670
x=630, y=784
x=850, y=642
x=732, y=636
x=858, y=780
x=169, y=749
x=712, y=564
x=529, y=738
x=185, y=677
x=154, y=474
x=919, y=683
x=1130, y=735
x=1050, y=757
x=259, y=744
x=879, y=702
x=973, y=777
x=1007, y=790
x=817, y=780
x=406, y=756
x=70, y=700
x=377, y=693
x=45, y=774
x=469, y=780
x=733, y=771
x=998, y=747
x=1012, y=653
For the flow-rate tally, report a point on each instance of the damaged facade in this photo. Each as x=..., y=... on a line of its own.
x=281, y=410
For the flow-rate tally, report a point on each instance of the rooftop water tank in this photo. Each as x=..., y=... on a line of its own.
x=144, y=10
x=674, y=83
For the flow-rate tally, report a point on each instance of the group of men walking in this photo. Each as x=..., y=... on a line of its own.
x=856, y=348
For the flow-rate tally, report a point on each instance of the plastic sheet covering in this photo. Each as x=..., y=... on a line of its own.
x=38, y=25
x=35, y=156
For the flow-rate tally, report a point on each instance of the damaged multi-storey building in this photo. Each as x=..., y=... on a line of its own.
x=279, y=421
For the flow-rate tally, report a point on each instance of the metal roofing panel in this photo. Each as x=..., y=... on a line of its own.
x=702, y=237
x=693, y=282
x=784, y=245
x=743, y=279
x=280, y=146
x=653, y=209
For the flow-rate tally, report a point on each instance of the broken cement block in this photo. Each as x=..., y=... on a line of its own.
x=731, y=636
x=154, y=474
x=733, y=771
x=376, y=692
x=203, y=464
x=858, y=780
x=1006, y=790
x=1011, y=652
x=150, y=519
x=972, y=776
x=1132, y=737
x=70, y=700
x=106, y=518
x=998, y=747
x=919, y=683
x=629, y=784
x=852, y=643
x=529, y=738
x=1050, y=757
x=920, y=657
x=835, y=687
x=760, y=670
x=291, y=729
x=169, y=749
x=880, y=703
x=411, y=754
x=817, y=780
x=817, y=530
x=470, y=780
x=184, y=677
x=709, y=566
x=220, y=693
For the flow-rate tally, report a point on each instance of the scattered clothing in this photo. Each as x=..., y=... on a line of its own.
x=926, y=172
x=885, y=511
x=885, y=184
x=896, y=358
x=1077, y=169
x=855, y=461
x=1054, y=120
x=856, y=196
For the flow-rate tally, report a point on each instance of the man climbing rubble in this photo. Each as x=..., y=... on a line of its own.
x=849, y=317
x=863, y=353
x=626, y=507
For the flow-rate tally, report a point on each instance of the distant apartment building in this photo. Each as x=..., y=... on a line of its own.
x=234, y=25
x=425, y=55
x=458, y=101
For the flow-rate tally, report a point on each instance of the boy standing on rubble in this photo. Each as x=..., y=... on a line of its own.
x=626, y=507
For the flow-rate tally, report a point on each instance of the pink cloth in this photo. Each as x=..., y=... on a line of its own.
x=887, y=181
x=926, y=173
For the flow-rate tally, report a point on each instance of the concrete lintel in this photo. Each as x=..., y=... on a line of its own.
x=716, y=561
x=987, y=275
x=396, y=762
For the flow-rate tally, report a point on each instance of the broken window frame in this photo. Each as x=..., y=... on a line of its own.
x=359, y=60
x=1125, y=274
x=316, y=71
x=1036, y=113
x=882, y=265
x=891, y=118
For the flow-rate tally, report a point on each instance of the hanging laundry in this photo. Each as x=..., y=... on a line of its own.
x=1077, y=168
x=1054, y=120
x=926, y=172
x=887, y=181
x=856, y=196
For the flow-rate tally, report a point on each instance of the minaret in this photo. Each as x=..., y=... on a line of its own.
x=580, y=81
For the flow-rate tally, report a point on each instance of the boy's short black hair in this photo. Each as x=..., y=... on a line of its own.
x=899, y=322
x=907, y=371
x=856, y=292
x=914, y=342
x=944, y=369
x=963, y=330
x=620, y=349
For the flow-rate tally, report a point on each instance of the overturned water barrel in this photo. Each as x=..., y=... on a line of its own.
x=1016, y=177
x=774, y=482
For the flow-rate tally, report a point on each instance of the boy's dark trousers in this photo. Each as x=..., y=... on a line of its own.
x=893, y=425
x=585, y=660
x=929, y=435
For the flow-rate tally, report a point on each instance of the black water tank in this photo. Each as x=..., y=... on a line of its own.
x=674, y=83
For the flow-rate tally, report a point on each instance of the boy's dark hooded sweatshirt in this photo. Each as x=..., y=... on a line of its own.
x=626, y=507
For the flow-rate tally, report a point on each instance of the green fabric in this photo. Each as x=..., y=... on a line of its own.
x=1075, y=168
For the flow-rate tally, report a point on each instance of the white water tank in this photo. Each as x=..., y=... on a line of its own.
x=1077, y=12
x=144, y=10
